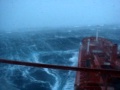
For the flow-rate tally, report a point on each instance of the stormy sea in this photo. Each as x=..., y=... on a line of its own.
x=59, y=46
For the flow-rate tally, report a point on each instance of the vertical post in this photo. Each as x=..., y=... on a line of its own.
x=97, y=36
x=114, y=53
x=88, y=46
x=106, y=82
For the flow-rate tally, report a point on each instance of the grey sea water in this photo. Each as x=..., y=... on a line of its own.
x=55, y=46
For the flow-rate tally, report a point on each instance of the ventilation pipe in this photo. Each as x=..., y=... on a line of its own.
x=88, y=46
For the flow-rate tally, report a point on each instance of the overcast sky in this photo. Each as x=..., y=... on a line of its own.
x=15, y=14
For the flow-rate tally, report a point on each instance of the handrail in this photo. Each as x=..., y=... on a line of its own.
x=39, y=65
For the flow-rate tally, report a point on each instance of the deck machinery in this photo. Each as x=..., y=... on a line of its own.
x=98, y=65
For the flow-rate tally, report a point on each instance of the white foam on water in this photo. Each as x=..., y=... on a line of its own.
x=35, y=57
x=56, y=85
x=74, y=59
x=71, y=75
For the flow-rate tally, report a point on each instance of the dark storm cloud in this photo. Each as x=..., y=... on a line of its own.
x=15, y=14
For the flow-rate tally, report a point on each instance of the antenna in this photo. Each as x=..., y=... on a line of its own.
x=97, y=36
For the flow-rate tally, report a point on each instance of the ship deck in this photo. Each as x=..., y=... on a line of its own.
x=97, y=53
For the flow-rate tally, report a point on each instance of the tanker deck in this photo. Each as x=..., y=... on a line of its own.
x=98, y=53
